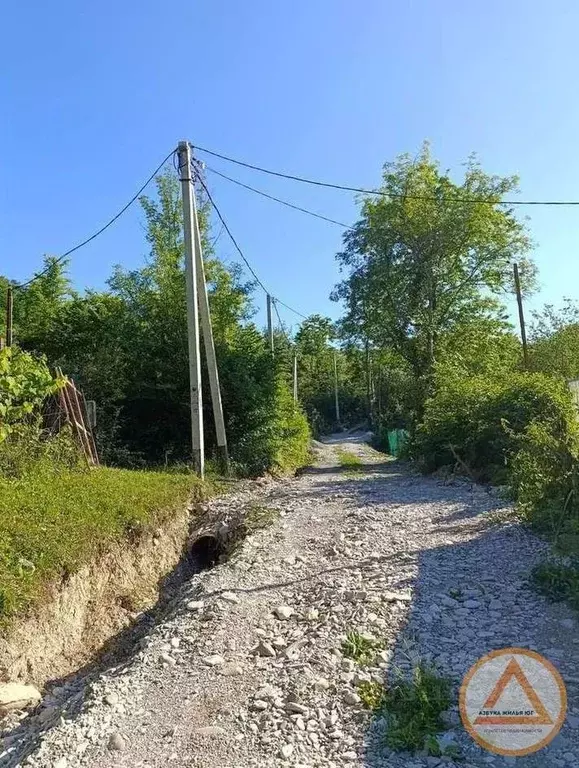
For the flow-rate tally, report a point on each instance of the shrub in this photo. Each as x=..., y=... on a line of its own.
x=484, y=423
x=544, y=478
x=29, y=451
x=557, y=581
x=25, y=382
x=278, y=436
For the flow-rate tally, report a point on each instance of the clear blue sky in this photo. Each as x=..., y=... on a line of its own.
x=95, y=94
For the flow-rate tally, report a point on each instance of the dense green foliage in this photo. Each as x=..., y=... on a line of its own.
x=127, y=349
x=24, y=384
x=558, y=581
x=519, y=429
x=481, y=420
x=555, y=341
x=420, y=263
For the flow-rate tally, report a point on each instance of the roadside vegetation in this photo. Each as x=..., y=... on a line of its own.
x=52, y=522
x=56, y=515
x=558, y=581
x=126, y=347
x=360, y=648
x=411, y=706
x=413, y=711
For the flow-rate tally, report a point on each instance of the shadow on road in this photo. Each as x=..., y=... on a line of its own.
x=470, y=596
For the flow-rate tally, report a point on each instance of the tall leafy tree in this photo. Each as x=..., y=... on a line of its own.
x=425, y=259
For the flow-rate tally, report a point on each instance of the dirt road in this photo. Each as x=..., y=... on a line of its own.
x=247, y=669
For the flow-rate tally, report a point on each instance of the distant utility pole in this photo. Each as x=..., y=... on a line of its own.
x=209, y=345
x=295, y=377
x=336, y=388
x=521, y=315
x=9, y=316
x=270, y=324
x=368, y=382
x=197, y=438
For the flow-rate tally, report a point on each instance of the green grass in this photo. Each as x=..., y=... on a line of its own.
x=413, y=711
x=52, y=523
x=557, y=582
x=372, y=694
x=349, y=460
x=359, y=648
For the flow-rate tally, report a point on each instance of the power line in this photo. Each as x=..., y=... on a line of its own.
x=283, y=330
x=345, y=188
x=278, y=199
x=236, y=244
x=291, y=309
x=216, y=238
x=224, y=223
x=63, y=256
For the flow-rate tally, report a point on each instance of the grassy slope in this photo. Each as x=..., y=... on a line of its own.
x=51, y=524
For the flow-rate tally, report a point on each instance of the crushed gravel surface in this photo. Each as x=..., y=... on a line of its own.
x=246, y=668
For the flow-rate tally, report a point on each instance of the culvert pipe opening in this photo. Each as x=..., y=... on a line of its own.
x=205, y=552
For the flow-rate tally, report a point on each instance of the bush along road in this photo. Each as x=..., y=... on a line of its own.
x=336, y=635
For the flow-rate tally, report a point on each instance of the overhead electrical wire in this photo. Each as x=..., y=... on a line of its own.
x=233, y=240
x=291, y=309
x=199, y=178
x=216, y=238
x=361, y=190
x=63, y=256
x=281, y=325
x=278, y=199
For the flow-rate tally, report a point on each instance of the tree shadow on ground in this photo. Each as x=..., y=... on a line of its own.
x=484, y=581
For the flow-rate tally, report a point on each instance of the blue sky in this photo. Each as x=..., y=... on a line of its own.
x=95, y=95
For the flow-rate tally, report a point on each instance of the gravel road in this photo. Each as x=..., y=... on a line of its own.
x=246, y=669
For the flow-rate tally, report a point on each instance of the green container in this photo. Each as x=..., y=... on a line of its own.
x=396, y=440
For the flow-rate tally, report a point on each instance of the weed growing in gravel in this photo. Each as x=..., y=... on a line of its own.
x=413, y=710
x=456, y=594
x=359, y=648
x=349, y=460
x=557, y=581
x=372, y=694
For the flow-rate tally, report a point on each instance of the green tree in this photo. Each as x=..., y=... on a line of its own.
x=127, y=348
x=554, y=337
x=422, y=261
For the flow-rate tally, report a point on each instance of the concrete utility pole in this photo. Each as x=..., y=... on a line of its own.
x=9, y=314
x=209, y=345
x=197, y=439
x=295, y=377
x=336, y=388
x=368, y=382
x=270, y=324
x=521, y=315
